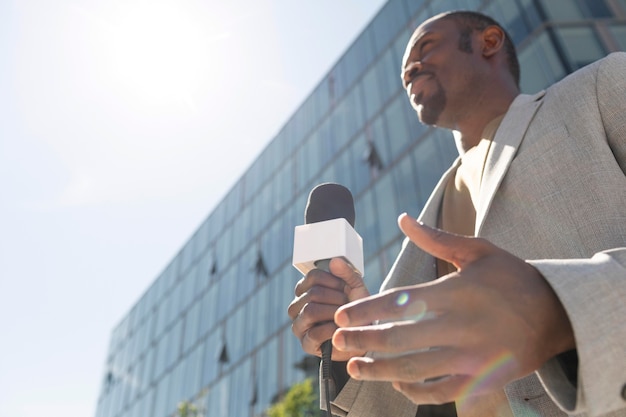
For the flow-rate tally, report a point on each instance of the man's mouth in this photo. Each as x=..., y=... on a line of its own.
x=418, y=86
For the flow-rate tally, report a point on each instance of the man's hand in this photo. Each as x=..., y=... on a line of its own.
x=318, y=295
x=470, y=332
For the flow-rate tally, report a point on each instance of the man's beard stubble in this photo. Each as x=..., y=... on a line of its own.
x=433, y=107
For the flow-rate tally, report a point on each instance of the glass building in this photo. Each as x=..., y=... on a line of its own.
x=212, y=330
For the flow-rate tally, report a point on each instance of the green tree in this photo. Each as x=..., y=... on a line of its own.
x=300, y=401
x=186, y=409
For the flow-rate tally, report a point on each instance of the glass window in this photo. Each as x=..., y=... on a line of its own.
x=387, y=209
x=191, y=326
x=367, y=225
x=355, y=102
x=283, y=189
x=397, y=126
x=360, y=169
x=399, y=46
x=210, y=364
x=260, y=315
x=148, y=370
x=373, y=276
x=404, y=182
x=540, y=65
x=226, y=292
x=562, y=10
x=619, y=34
x=235, y=334
x=193, y=369
x=174, y=302
x=377, y=133
x=208, y=310
x=388, y=70
x=286, y=281
x=274, y=310
x=309, y=161
x=328, y=143
x=174, y=393
x=161, y=397
x=429, y=163
x=246, y=274
x=268, y=364
x=596, y=8
x=202, y=273
x=294, y=355
x=530, y=12
x=385, y=26
x=175, y=334
x=273, y=248
x=343, y=172
x=223, y=249
x=372, y=93
x=508, y=15
x=581, y=45
x=147, y=404
x=186, y=255
x=240, y=383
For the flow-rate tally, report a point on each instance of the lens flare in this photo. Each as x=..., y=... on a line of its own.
x=414, y=310
x=490, y=371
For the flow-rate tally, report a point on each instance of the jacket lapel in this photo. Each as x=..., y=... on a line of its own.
x=503, y=149
x=430, y=212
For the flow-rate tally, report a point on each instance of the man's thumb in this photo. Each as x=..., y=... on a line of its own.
x=455, y=249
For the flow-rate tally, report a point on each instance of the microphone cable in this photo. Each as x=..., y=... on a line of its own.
x=327, y=349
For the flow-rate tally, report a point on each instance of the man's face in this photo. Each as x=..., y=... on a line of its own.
x=436, y=74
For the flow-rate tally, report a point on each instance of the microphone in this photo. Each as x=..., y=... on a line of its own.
x=328, y=233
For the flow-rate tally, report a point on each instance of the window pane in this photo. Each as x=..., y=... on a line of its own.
x=367, y=224
x=387, y=209
x=562, y=10
x=619, y=33
x=429, y=163
x=581, y=45
x=540, y=65
x=398, y=134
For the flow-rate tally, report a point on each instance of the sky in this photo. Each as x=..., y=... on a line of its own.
x=122, y=124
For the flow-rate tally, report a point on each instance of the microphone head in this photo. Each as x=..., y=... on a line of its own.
x=329, y=201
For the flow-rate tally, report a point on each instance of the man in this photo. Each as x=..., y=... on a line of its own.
x=527, y=319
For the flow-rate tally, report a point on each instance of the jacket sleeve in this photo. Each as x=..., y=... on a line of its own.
x=593, y=292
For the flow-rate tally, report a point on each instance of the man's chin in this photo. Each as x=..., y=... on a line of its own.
x=427, y=118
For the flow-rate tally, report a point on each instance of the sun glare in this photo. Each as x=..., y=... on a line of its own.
x=157, y=50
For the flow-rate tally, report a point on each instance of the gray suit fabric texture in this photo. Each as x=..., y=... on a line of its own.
x=554, y=194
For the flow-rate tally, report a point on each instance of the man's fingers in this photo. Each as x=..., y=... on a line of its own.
x=321, y=278
x=354, y=284
x=455, y=249
x=405, y=303
x=312, y=340
x=399, y=337
x=441, y=391
x=410, y=367
x=317, y=294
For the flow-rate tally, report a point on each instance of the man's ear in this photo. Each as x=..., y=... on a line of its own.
x=492, y=40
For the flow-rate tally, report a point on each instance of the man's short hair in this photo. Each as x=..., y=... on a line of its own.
x=469, y=21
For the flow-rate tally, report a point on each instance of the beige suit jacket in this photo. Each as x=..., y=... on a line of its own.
x=554, y=192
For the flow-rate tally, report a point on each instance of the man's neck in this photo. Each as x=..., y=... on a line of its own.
x=470, y=131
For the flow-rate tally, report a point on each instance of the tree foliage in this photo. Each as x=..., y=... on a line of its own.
x=186, y=409
x=300, y=401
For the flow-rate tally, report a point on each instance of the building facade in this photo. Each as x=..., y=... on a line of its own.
x=212, y=330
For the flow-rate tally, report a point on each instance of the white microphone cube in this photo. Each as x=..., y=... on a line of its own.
x=325, y=240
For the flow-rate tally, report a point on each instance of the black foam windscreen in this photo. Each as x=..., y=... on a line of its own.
x=329, y=201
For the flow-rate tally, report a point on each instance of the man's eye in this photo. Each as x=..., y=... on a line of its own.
x=424, y=44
